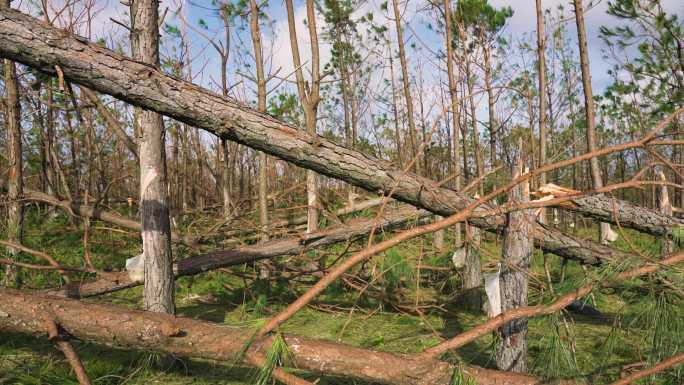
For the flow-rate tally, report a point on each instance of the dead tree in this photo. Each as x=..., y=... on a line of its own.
x=156, y=229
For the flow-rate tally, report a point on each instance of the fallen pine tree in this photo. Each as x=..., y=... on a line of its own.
x=349, y=231
x=22, y=312
x=547, y=238
x=573, y=248
x=36, y=44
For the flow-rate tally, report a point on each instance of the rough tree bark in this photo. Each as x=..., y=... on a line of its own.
x=541, y=57
x=261, y=107
x=472, y=272
x=22, y=312
x=159, y=291
x=517, y=250
x=26, y=40
x=589, y=113
x=15, y=208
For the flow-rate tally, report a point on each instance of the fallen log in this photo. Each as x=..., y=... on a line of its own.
x=547, y=238
x=22, y=312
x=349, y=231
x=36, y=44
x=352, y=230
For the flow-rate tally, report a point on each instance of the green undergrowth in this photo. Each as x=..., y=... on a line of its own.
x=641, y=320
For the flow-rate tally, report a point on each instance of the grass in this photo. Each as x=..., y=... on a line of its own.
x=643, y=322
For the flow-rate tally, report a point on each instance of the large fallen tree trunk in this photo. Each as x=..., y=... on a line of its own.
x=349, y=231
x=115, y=326
x=36, y=44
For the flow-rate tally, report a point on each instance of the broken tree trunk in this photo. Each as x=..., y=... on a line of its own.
x=26, y=40
x=511, y=354
x=22, y=312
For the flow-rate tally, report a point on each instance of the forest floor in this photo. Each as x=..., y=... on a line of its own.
x=636, y=320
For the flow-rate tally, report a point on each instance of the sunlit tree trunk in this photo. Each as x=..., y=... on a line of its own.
x=158, y=294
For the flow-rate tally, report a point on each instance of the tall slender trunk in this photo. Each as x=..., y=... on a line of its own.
x=158, y=294
x=517, y=250
x=490, y=106
x=261, y=106
x=347, y=103
x=453, y=95
x=395, y=104
x=15, y=208
x=224, y=149
x=407, y=88
x=594, y=167
x=479, y=163
x=541, y=46
x=310, y=97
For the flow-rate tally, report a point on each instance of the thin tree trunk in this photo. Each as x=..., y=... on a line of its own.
x=407, y=88
x=261, y=107
x=541, y=46
x=456, y=119
x=517, y=250
x=479, y=163
x=594, y=167
x=158, y=294
x=395, y=107
x=309, y=95
x=15, y=208
x=490, y=108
